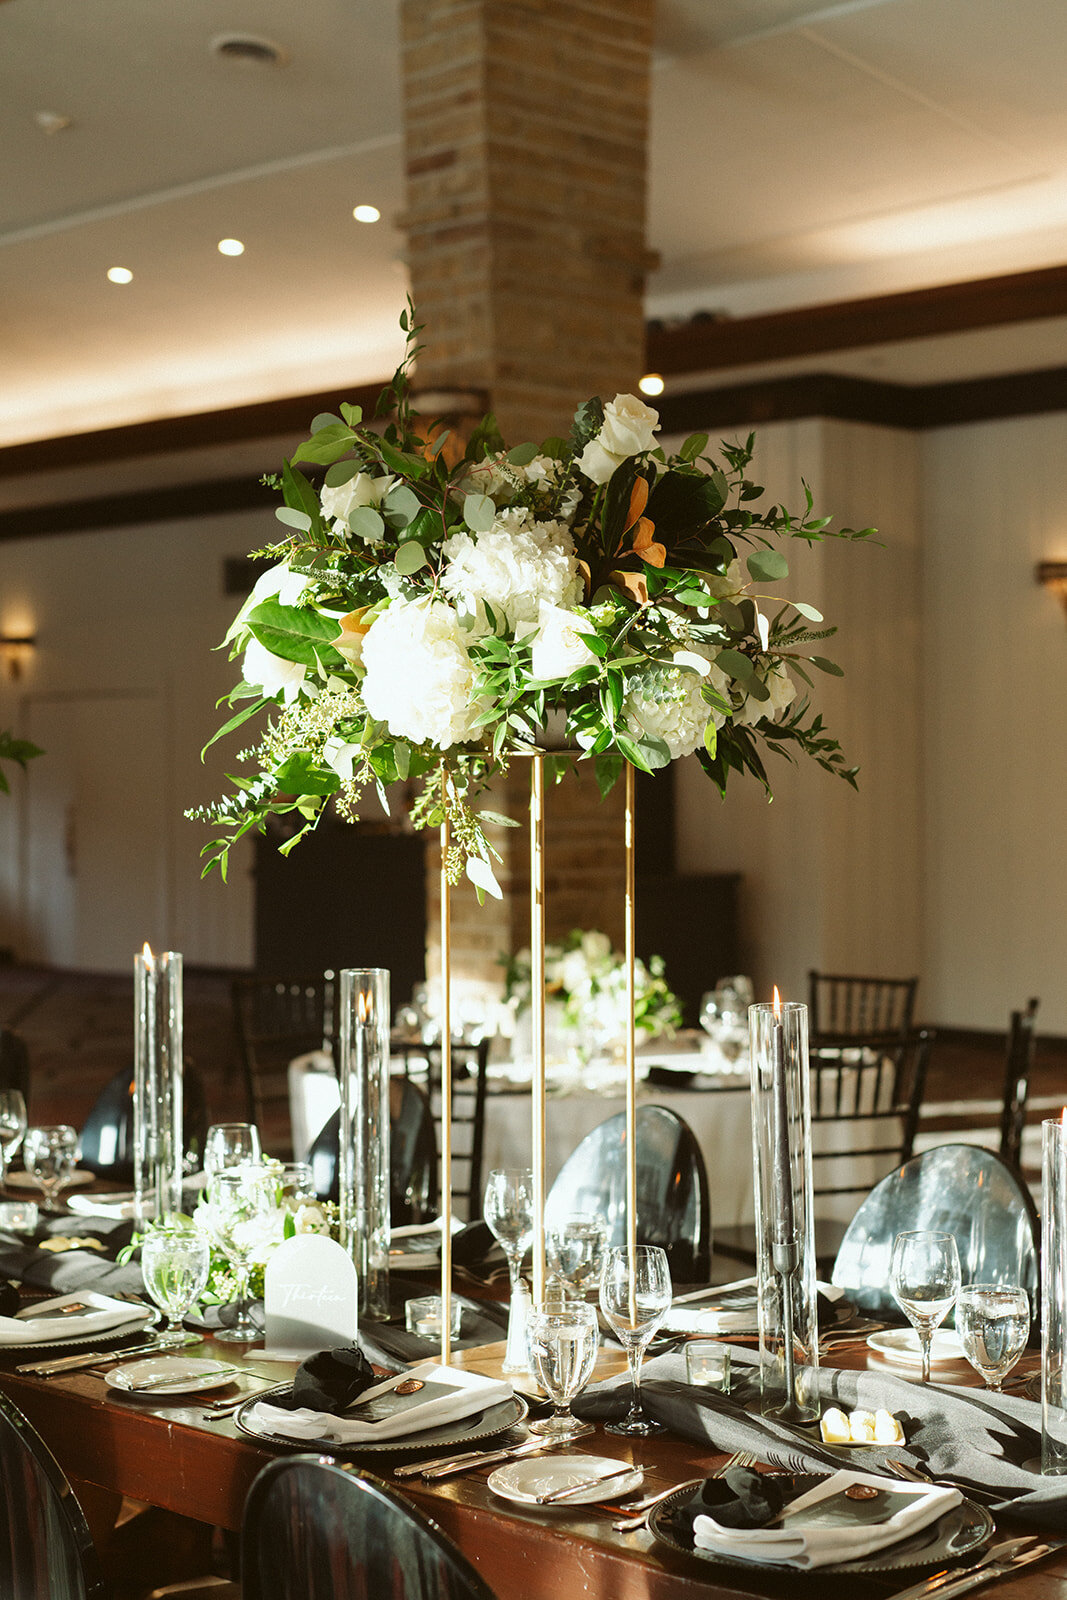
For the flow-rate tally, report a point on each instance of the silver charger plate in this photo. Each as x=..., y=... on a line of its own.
x=965, y=1528
x=111, y=1339
x=481, y=1425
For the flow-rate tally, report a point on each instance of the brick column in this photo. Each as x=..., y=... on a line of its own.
x=526, y=131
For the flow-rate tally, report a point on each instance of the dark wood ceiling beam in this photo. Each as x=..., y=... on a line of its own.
x=855, y=324
x=178, y=502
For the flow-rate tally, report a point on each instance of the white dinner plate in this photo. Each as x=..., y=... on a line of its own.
x=23, y=1180
x=523, y=1481
x=902, y=1345
x=187, y=1375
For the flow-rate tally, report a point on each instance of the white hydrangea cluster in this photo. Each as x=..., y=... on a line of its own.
x=782, y=691
x=674, y=709
x=419, y=678
x=513, y=567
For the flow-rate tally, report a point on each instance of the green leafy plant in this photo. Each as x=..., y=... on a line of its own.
x=18, y=750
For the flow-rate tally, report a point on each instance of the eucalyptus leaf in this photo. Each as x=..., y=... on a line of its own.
x=522, y=455
x=410, y=557
x=353, y=415
x=366, y=524
x=293, y=519
x=807, y=611
x=341, y=472
x=479, y=512
x=325, y=419
x=735, y=665
x=827, y=666
x=401, y=505
x=767, y=566
x=481, y=875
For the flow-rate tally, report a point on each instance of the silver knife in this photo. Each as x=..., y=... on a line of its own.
x=487, y=1458
x=95, y=1358
x=998, y=1560
x=557, y=1496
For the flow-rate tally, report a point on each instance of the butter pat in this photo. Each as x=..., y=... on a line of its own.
x=860, y=1427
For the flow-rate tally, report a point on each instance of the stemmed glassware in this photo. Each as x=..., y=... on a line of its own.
x=635, y=1295
x=242, y=1207
x=12, y=1126
x=563, y=1344
x=575, y=1252
x=231, y=1144
x=924, y=1275
x=174, y=1265
x=508, y=1211
x=49, y=1155
x=993, y=1322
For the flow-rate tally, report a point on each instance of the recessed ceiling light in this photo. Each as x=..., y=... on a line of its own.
x=651, y=383
x=248, y=50
x=231, y=247
x=52, y=121
x=367, y=214
x=120, y=274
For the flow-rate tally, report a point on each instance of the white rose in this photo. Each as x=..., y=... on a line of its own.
x=310, y=1219
x=596, y=946
x=598, y=463
x=629, y=426
x=264, y=670
x=782, y=692
x=420, y=680
x=495, y=476
x=558, y=651
x=362, y=490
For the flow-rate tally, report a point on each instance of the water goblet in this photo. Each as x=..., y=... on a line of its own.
x=174, y=1266
x=49, y=1154
x=924, y=1275
x=508, y=1212
x=575, y=1250
x=242, y=1207
x=231, y=1144
x=564, y=1343
x=12, y=1126
x=993, y=1322
x=635, y=1295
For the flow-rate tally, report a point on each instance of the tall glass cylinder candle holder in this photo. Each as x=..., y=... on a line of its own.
x=785, y=1226
x=1054, y=1297
x=157, y=1085
x=363, y=1167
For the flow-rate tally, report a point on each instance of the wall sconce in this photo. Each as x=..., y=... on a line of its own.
x=15, y=651
x=1053, y=574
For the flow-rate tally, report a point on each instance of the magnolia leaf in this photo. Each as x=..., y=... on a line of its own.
x=293, y=519
x=807, y=611
x=479, y=512
x=735, y=665
x=827, y=666
x=767, y=566
x=410, y=557
x=302, y=775
x=633, y=752
x=481, y=875
x=498, y=819
x=522, y=455
x=366, y=524
x=292, y=633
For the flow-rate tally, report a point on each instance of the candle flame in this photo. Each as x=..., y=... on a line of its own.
x=777, y=1004
x=364, y=1008
x=149, y=959
x=1063, y=1120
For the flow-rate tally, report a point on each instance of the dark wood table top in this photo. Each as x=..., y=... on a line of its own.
x=169, y=1455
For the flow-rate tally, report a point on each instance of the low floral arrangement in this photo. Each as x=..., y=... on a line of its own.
x=431, y=604
x=588, y=977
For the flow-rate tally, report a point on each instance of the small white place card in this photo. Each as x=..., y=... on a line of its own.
x=310, y=1299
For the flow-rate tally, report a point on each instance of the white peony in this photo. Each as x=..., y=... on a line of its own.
x=628, y=429
x=420, y=680
x=512, y=568
x=338, y=504
x=677, y=713
x=557, y=650
x=264, y=670
x=782, y=692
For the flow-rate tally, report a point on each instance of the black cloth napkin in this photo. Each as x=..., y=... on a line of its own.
x=968, y=1438
x=743, y=1499
x=330, y=1381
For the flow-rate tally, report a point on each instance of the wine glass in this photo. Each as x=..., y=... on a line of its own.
x=575, y=1251
x=12, y=1126
x=242, y=1218
x=49, y=1154
x=231, y=1144
x=174, y=1265
x=508, y=1211
x=564, y=1344
x=993, y=1322
x=635, y=1293
x=924, y=1275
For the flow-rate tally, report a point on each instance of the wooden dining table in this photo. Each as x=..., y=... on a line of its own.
x=171, y=1455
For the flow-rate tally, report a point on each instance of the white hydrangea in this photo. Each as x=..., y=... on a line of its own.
x=419, y=678
x=677, y=712
x=782, y=691
x=513, y=567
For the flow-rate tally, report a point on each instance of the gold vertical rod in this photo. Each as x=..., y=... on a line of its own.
x=446, y=1095
x=537, y=998
x=631, y=1042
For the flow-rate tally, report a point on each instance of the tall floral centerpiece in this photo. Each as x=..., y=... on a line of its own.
x=432, y=604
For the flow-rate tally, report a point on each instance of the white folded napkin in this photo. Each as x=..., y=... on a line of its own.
x=117, y=1207
x=811, y=1534
x=104, y=1313
x=686, y=1315
x=468, y=1393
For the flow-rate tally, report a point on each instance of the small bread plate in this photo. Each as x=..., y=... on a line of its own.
x=901, y=1346
x=523, y=1481
x=165, y=1375
x=963, y=1528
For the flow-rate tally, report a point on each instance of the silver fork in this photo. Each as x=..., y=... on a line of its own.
x=740, y=1458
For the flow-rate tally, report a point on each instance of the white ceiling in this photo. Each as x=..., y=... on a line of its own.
x=799, y=154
